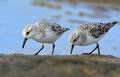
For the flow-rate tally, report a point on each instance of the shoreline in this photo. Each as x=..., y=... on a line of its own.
x=59, y=66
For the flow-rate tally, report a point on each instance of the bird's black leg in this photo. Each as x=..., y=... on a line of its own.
x=98, y=49
x=53, y=49
x=40, y=50
x=72, y=49
x=95, y=49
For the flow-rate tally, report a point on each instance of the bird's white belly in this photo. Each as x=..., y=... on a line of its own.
x=49, y=38
x=90, y=40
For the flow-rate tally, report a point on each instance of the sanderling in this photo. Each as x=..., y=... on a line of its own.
x=43, y=32
x=88, y=34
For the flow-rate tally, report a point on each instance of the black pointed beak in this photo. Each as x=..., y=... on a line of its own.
x=24, y=42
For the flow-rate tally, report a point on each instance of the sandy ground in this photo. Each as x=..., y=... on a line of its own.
x=104, y=2
x=59, y=66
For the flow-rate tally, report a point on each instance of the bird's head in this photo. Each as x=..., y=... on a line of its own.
x=28, y=32
x=73, y=38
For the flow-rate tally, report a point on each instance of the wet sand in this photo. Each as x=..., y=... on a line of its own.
x=59, y=66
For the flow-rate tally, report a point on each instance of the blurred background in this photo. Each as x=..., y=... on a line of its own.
x=15, y=14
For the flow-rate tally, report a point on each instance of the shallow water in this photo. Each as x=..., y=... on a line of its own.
x=15, y=14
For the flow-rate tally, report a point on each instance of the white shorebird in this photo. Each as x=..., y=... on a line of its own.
x=43, y=32
x=88, y=34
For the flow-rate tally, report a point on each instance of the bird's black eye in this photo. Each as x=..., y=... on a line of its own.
x=27, y=33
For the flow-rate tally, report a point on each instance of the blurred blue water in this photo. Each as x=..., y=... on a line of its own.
x=15, y=14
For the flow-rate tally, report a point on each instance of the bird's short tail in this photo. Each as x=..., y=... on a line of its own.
x=111, y=24
x=115, y=22
x=66, y=29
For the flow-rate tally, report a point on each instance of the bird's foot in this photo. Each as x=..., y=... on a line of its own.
x=36, y=54
x=86, y=53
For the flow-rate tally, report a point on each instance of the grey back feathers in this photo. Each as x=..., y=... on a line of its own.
x=58, y=29
x=45, y=25
x=97, y=29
